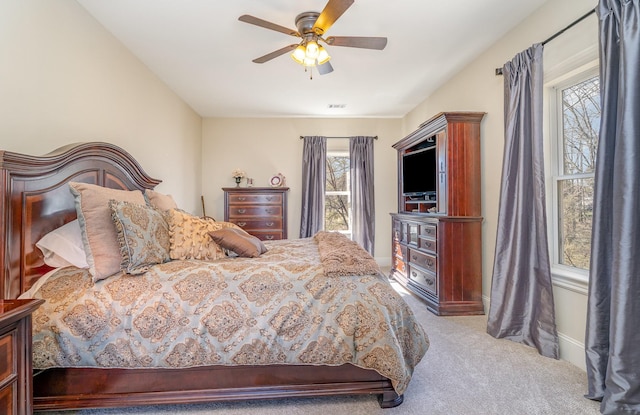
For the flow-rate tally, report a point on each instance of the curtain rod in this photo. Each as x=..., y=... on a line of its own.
x=374, y=137
x=559, y=32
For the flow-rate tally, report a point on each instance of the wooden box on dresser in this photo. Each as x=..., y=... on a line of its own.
x=261, y=211
x=16, y=378
x=437, y=232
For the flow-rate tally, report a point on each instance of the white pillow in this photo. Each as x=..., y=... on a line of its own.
x=63, y=247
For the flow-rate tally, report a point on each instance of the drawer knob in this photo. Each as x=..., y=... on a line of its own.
x=242, y=210
x=269, y=237
x=269, y=198
x=242, y=199
x=429, y=282
x=241, y=224
x=269, y=224
x=430, y=262
x=413, y=273
x=269, y=211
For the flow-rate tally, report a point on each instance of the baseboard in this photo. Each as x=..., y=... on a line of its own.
x=486, y=302
x=383, y=262
x=572, y=351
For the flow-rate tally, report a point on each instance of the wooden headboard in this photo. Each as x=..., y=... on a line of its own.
x=36, y=199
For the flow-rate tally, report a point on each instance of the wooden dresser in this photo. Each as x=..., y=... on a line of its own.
x=261, y=211
x=16, y=379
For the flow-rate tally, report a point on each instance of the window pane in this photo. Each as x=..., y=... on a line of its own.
x=580, y=126
x=576, y=211
x=337, y=173
x=336, y=211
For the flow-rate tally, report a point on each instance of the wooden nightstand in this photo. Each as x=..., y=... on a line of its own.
x=16, y=377
x=261, y=211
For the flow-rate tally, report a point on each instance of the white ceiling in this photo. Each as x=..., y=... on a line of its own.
x=201, y=50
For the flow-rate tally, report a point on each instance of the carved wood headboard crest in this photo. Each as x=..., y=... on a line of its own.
x=36, y=199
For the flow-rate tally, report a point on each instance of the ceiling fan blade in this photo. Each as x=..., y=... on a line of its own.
x=332, y=11
x=325, y=68
x=275, y=54
x=364, y=42
x=267, y=25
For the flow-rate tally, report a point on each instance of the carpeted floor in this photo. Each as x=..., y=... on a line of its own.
x=465, y=371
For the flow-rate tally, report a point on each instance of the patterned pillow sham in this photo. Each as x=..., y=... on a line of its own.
x=143, y=235
x=189, y=236
x=98, y=232
x=239, y=241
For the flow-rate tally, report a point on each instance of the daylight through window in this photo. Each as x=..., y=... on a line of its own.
x=578, y=125
x=337, y=205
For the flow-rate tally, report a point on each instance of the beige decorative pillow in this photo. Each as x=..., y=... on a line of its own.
x=159, y=201
x=189, y=236
x=143, y=235
x=98, y=231
x=239, y=241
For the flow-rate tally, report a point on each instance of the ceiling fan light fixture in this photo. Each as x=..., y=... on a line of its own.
x=312, y=26
x=312, y=50
x=309, y=61
x=323, y=55
x=299, y=54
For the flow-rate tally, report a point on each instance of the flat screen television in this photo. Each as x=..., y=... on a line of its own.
x=419, y=171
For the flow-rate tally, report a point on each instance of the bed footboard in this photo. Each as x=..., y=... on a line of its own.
x=78, y=388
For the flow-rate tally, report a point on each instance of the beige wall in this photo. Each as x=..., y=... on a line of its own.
x=65, y=79
x=476, y=88
x=262, y=147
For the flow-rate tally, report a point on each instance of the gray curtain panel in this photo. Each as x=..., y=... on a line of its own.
x=613, y=313
x=362, y=194
x=314, y=173
x=522, y=307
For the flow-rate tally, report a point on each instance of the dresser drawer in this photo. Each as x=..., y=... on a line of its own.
x=425, y=279
x=236, y=211
x=8, y=364
x=268, y=236
x=428, y=244
x=259, y=224
x=423, y=260
x=255, y=198
x=8, y=395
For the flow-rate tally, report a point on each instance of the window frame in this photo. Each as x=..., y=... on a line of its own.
x=570, y=277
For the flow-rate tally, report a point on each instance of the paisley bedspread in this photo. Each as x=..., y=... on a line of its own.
x=279, y=308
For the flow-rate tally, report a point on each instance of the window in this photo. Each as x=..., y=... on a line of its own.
x=337, y=204
x=577, y=122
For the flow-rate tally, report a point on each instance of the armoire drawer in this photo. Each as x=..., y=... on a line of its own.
x=426, y=261
x=425, y=279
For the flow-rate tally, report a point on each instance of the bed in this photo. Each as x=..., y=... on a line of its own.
x=36, y=200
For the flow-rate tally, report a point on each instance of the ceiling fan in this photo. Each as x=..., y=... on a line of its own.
x=311, y=29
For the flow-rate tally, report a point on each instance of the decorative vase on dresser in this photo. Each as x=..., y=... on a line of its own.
x=261, y=211
x=437, y=232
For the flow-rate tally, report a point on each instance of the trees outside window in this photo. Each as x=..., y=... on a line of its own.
x=578, y=122
x=337, y=203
